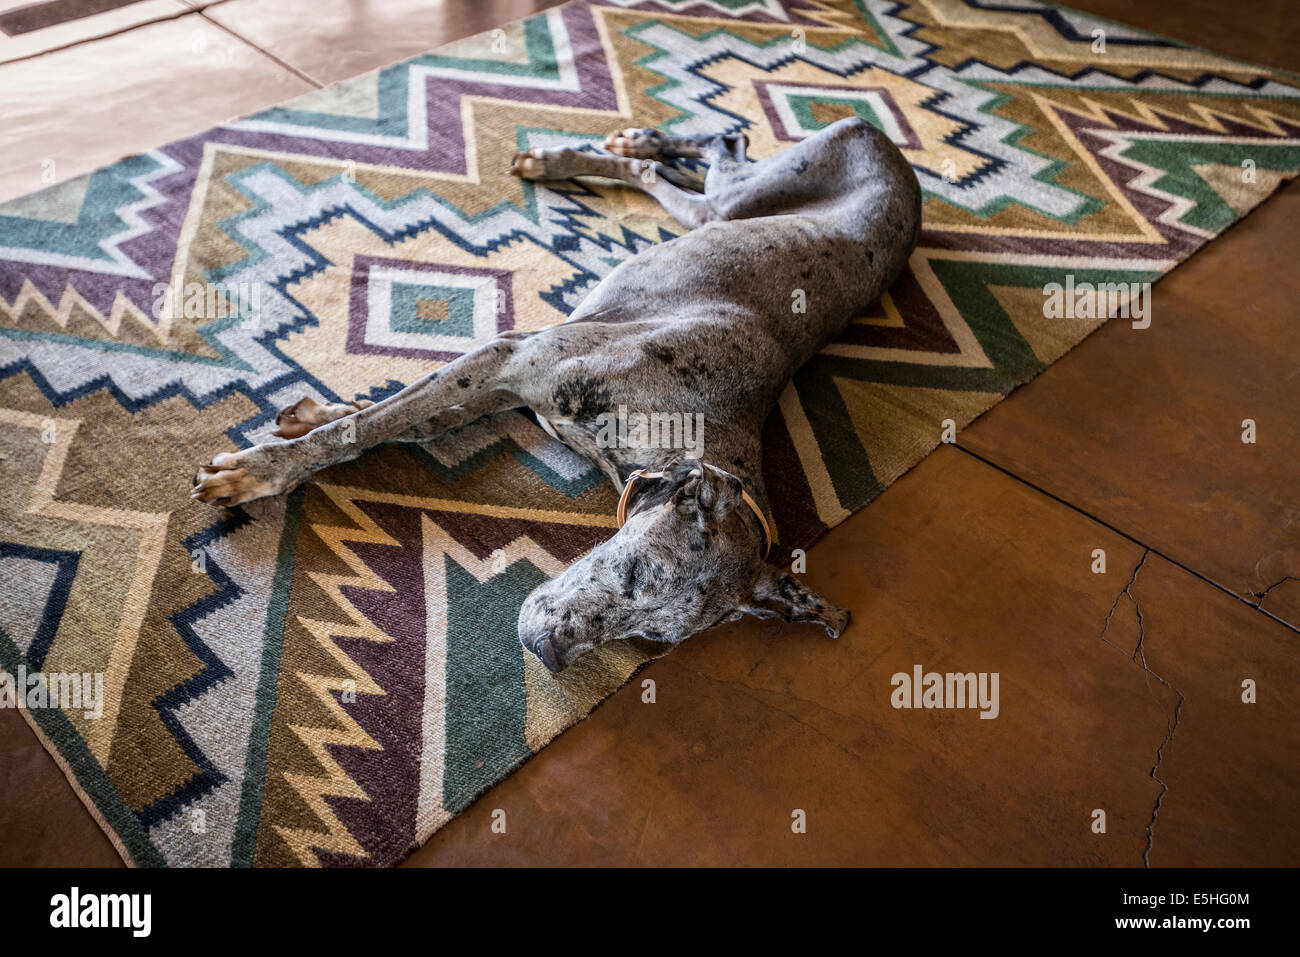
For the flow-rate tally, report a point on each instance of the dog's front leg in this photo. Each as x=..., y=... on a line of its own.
x=466, y=389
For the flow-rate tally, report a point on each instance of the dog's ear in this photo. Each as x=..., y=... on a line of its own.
x=777, y=595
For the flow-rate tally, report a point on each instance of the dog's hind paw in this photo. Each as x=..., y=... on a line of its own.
x=637, y=143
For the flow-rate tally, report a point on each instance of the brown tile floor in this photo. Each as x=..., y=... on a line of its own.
x=155, y=83
x=30, y=29
x=978, y=559
x=347, y=37
x=956, y=567
x=1165, y=461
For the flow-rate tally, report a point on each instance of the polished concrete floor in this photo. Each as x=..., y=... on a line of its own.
x=1128, y=444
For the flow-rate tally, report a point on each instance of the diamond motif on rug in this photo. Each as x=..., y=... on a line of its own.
x=423, y=310
x=799, y=110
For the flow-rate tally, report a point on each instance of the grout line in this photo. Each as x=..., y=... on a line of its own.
x=266, y=53
x=1123, y=534
x=185, y=12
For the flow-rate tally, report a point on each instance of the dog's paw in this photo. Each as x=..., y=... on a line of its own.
x=233, y=478
x=533, y=165
x=307, y=414
x=835, y=619
x=637, y=143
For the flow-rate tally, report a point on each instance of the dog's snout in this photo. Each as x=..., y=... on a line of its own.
x=543, y=648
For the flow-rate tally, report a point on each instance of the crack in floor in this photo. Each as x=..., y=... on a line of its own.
x=1243, y=597
x=1127, y=591
x=1139, y=657
x=1261, y=595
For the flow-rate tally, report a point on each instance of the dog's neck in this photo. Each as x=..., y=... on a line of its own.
x=737, y=450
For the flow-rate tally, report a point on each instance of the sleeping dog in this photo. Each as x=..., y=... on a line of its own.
x=781, y=255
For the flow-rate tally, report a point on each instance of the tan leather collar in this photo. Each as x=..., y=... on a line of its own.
x=749, y=500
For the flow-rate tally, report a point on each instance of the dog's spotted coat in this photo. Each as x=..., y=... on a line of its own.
x=705, y=323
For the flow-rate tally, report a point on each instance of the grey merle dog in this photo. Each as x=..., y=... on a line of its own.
x=704, y=323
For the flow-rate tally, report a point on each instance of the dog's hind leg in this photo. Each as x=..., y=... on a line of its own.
x=688, y=208
x=828, y=171
x=817, y=172
x=647, y=143
x=795, y=178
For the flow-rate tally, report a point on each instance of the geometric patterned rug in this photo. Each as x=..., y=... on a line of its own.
x=327, y=678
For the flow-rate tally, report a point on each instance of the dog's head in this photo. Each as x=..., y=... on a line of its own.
x=688, y=557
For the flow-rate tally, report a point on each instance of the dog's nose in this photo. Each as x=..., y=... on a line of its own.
x=542, y=647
